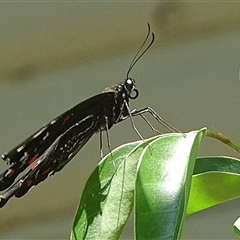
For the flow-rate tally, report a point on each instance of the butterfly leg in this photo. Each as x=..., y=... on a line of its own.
x=149, y=110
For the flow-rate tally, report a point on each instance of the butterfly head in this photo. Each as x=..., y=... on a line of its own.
x=130, y=88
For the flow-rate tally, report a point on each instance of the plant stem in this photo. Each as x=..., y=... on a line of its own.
x=219, y=136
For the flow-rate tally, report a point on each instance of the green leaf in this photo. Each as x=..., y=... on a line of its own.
x=216, y=180
x=163, y=185
x=236, y=228
x=107, y=199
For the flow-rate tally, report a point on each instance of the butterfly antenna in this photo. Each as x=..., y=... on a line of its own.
x=137, y=56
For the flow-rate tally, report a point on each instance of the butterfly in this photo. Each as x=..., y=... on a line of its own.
x=49, y=149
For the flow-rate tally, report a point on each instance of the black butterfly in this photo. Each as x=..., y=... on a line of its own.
x=48, y=150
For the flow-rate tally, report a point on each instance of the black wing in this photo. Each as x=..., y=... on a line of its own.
x=57, y=142
x=61, y=151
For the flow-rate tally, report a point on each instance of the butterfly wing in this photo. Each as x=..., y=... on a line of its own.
x=61, y=151
x=73, y=128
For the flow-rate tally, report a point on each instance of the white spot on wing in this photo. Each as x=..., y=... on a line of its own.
x=47, y=134
x=53, y=121
x=20, y=148
x=39, y=132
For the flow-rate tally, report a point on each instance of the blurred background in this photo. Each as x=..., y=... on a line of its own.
x=55, y=55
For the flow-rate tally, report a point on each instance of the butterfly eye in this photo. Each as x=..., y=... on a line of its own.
x=129, y=84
